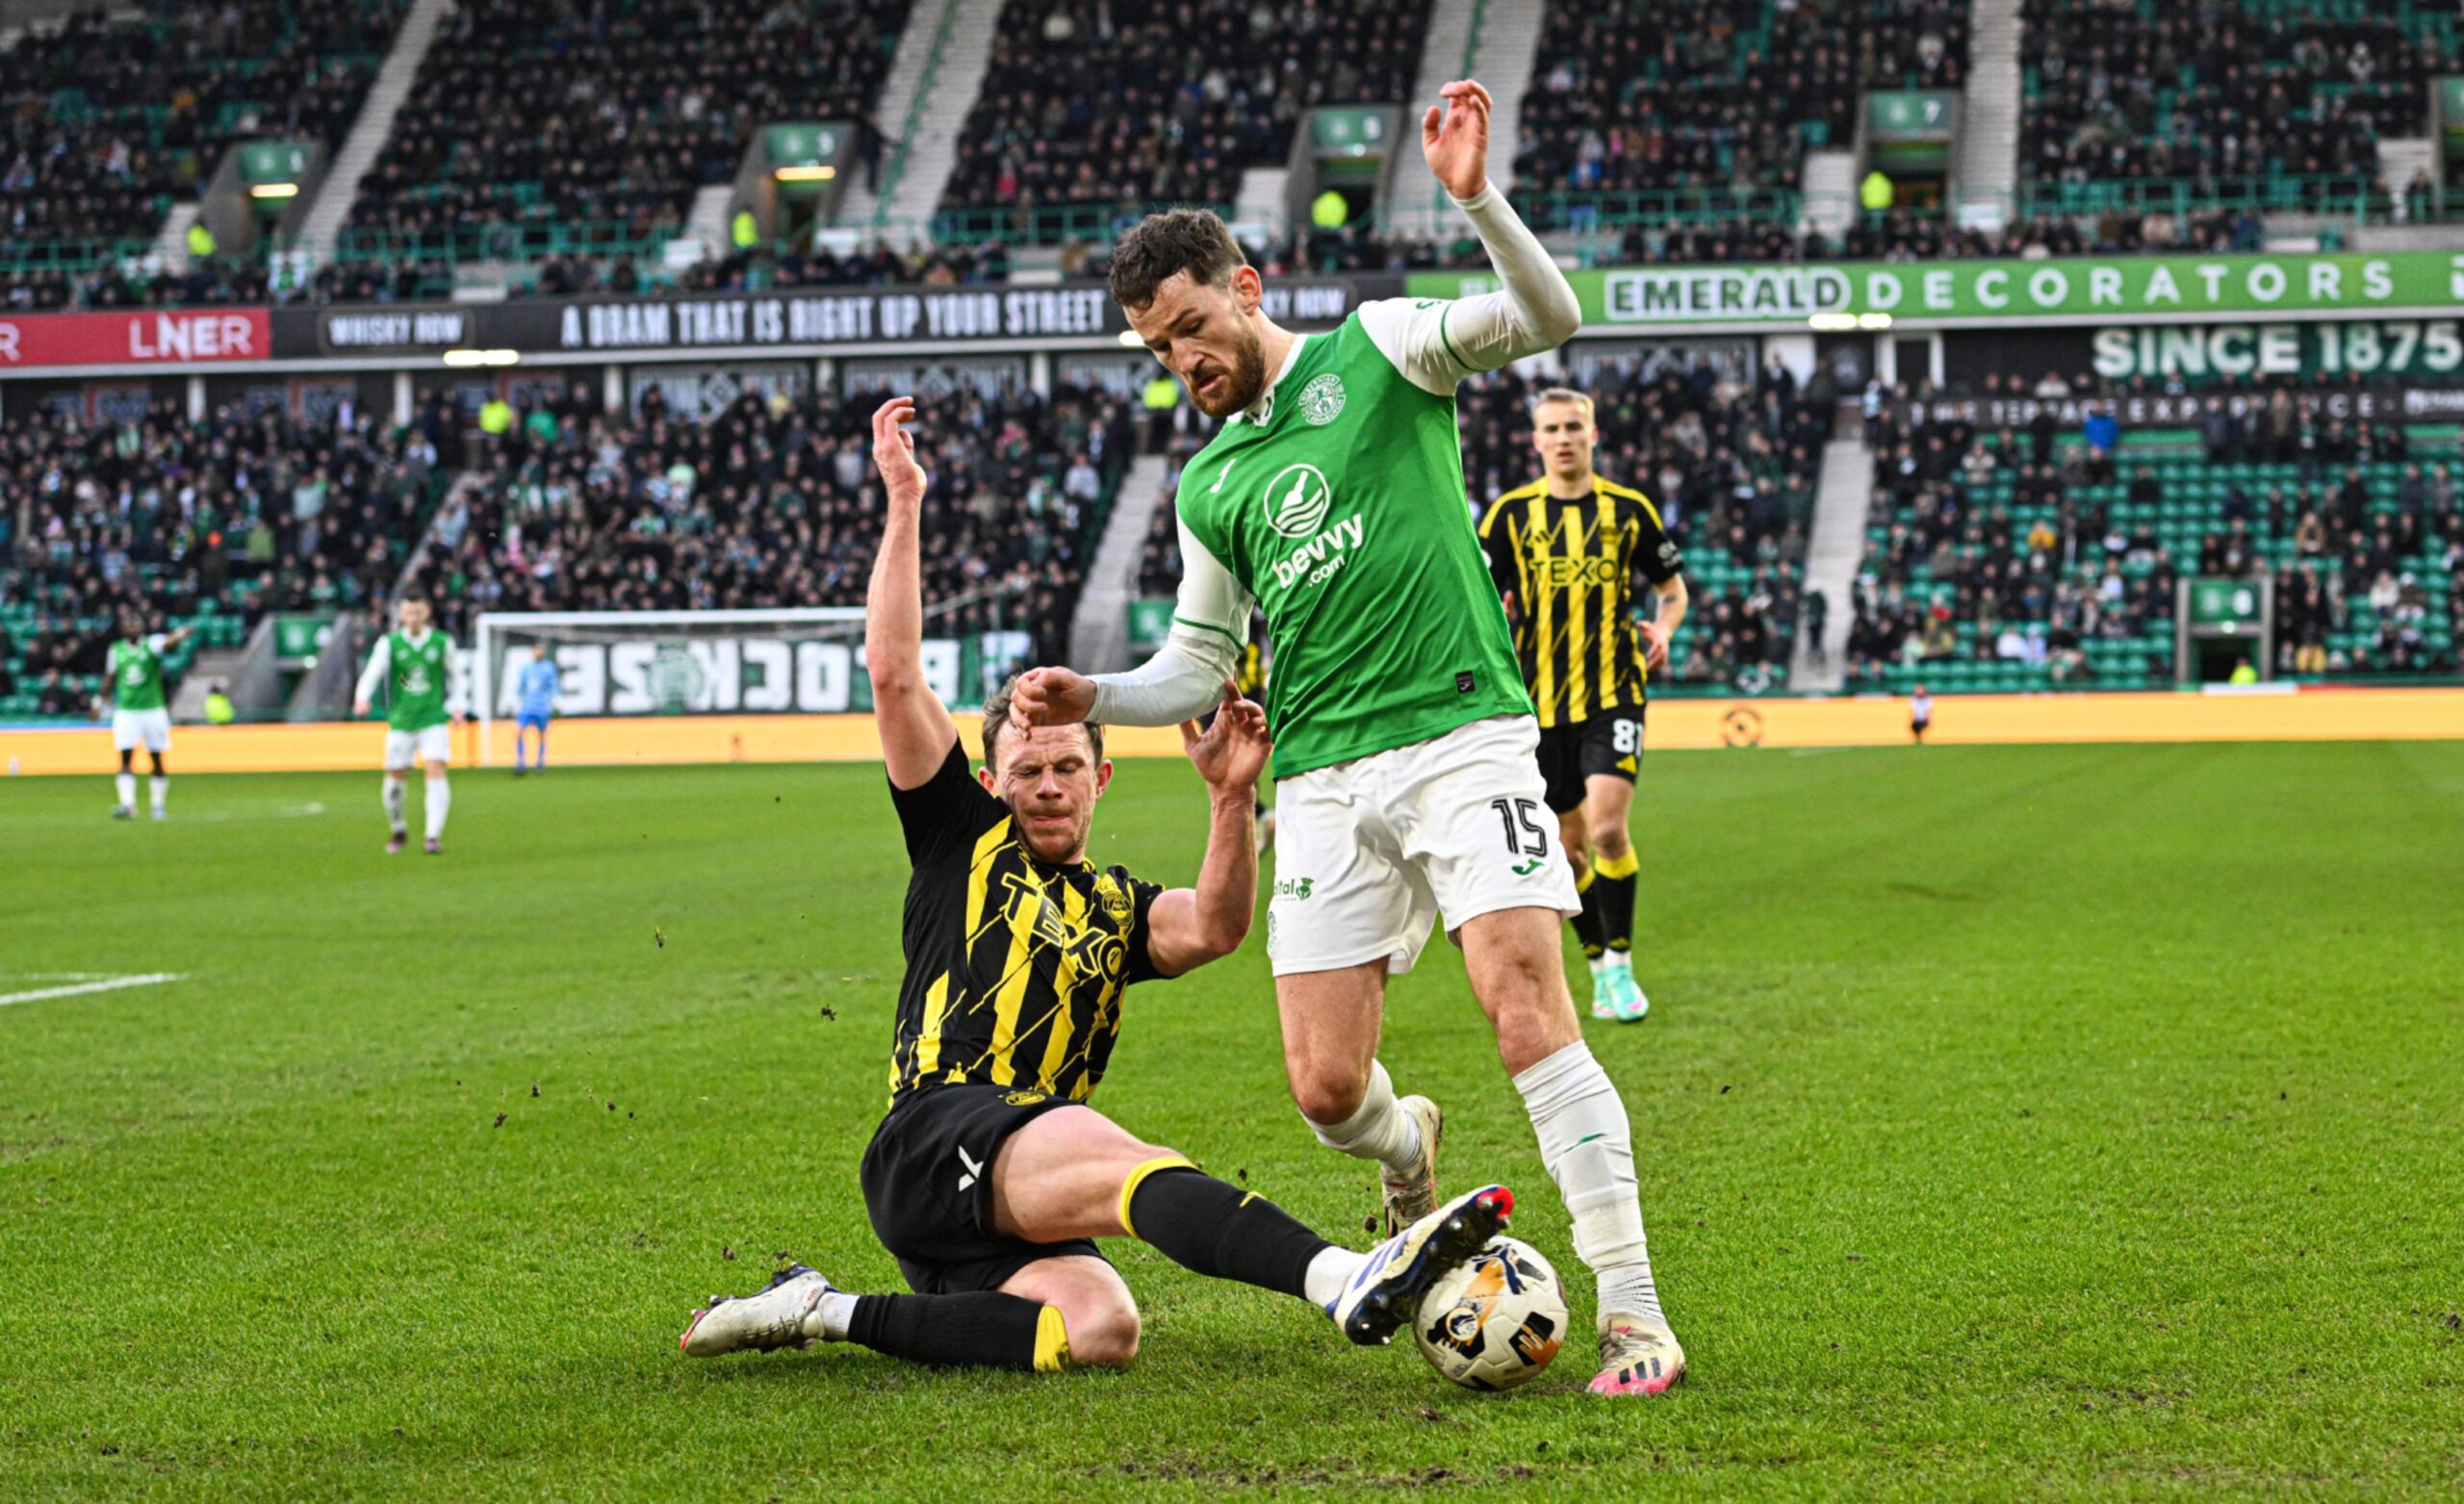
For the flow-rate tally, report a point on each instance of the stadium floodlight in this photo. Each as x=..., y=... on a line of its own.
x=465, y=358
x=274, y=191
x=818, y=174
x=1831, y=324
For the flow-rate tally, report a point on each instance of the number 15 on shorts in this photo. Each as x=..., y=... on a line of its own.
x=1526, y=836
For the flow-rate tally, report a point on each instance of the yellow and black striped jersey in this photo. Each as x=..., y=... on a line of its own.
x=1015, y=967
x=1570, y=565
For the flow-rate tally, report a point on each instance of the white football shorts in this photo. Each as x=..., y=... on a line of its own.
x=1370, y=854
x=434, y=744
x=148, y=729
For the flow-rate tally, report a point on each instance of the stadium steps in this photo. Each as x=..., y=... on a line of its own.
x=1260, y=202
x=957, y=37
x=1988, y=146
x=1492, y=40
x=171, y=246
x=1099, y=631
x=708, y=221
x=858, y=203
x=1837, y=548
x=1830, y=202
x=340, y=190
x=2400, y=158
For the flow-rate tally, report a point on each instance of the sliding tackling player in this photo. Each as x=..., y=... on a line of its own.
x=991, y=1179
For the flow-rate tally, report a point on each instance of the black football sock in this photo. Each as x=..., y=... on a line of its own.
x=1211, y=1228
x=1587, y=929
x=1613, y=893
x=980, y=1328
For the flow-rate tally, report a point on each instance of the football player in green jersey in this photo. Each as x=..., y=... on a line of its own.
x=415, y=667
x=1407, y=769
x=140, y=714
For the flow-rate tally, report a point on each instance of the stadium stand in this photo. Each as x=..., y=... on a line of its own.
x=210, y=523
x=1684, y=110
x=1135, y=101
x=773, y=503
x=110, y=117
x=538, y=129
x=2265, y=104
x=1731, y=463
x=2015, y=560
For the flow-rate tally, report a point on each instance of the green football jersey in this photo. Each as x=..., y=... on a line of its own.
x=415, y=681
x=1342, y=512
x=136, y=674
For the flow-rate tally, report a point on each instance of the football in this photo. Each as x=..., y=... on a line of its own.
x=1495, y=1322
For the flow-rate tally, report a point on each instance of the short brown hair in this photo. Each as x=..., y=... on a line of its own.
x=996, y=715
x=1162, y=246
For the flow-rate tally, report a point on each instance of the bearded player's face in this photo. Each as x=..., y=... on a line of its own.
x=1205, y=335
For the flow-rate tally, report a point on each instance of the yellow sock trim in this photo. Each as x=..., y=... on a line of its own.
x=1052, y=1340
x=1138, y=1178
x=1583, y=878
x=1625, y=866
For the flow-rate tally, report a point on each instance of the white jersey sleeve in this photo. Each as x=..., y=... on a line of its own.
x=379, y=664
x=1184, y=678
x=1435, y=343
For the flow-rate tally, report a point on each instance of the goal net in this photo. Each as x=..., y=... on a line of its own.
x=806, y=661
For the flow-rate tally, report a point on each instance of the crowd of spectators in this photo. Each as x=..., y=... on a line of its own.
x=533, y=112
x=2219, y=90
x=230, y=516
x=2016, y=545
x=1699, y=94
x=1144, y=101
x=105, y=118
x=1729, y=455
x=773, y=503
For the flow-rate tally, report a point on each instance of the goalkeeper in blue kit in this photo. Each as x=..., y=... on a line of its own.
x=537, y=689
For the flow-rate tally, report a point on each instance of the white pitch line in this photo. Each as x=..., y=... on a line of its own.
x=148, y=979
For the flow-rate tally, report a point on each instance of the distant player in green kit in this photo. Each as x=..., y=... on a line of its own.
x=414, y=665
x=139, y=714
x=1407, y=781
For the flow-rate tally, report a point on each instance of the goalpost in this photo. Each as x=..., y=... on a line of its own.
x=786, y=661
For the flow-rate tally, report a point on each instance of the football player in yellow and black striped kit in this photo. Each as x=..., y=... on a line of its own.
x=1565, y=552
x=991, y=1178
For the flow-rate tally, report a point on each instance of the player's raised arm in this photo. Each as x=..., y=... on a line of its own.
x=1438, y=342
x=1190, y=926
x=916, y=730
x=1210, y=626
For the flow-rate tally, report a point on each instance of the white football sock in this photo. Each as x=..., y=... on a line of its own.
x=1589, y=1150
x=829, y=1317
x=126, y=783
x=160, y=790
x=398, y=800
x=1329, y=1272
x=1379, y=1130
x=440, y=799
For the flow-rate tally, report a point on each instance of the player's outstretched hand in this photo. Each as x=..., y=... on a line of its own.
x=1051, y=696
x=358, y=708
x=1454, y=137
x=1655, y=644
x=1231, y=755
x=894, y=453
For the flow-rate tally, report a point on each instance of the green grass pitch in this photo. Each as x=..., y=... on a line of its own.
x=2012, y=1122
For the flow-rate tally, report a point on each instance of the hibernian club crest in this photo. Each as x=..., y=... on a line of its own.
x=1321, y=400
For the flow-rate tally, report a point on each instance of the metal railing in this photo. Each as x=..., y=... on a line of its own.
x=502, y=240
x=1046, y=224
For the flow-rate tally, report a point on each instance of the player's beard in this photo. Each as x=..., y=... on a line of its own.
x=1052, y=847
x=1242, y=383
